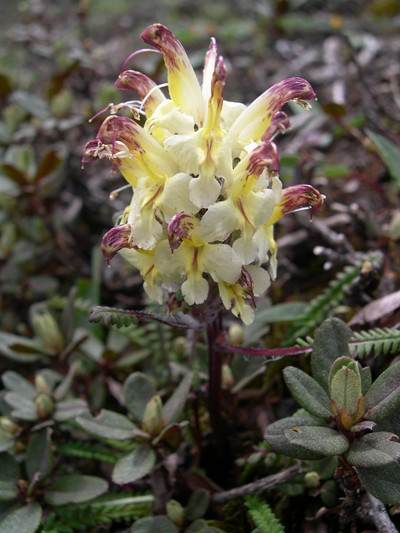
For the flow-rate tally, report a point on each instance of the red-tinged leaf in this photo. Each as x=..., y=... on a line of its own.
x=48, y=164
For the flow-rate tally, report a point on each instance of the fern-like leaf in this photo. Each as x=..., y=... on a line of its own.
x=105, y=510
x=321, y=307
x=85, y=450
x=378, y=341
x=124, y=317
x=262, y=515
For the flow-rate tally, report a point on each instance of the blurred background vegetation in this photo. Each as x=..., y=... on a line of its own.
x=58, y=64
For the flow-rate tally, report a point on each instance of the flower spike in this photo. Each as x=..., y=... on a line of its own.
x=204, y=175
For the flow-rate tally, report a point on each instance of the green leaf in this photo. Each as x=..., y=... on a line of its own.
x=75, y=488
x=19, y=348
x=9, y=474
x=345, y=388
x=20, y=158
x=331, y=342
x=366, y=379
x=383, y=397
x=8, y=491
x=124, y=317
x=6, y=440
x=138, y=390
x=284, y=312
x=390, y=153
x=22, y=407
x=135, y=465
x=16, y=383
x=276, y=438
x=383, y=482
x=374, y=449
x=173, y=407
x=150, y=524
x=341, y=362
x=202, y=526
x=49, y=162
x=22, y=520
x=107, y=425
x=39, y=455
x=69, y=409
x=307, y=392
x=198, y=504
x=9, y=468
x=325, y=441
x=263, y=516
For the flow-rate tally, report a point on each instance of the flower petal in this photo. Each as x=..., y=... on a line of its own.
x=195, y=288
x=301, y=196
x=115, y=240
x=131, y=148
x=183, y=85
x=260, y=278
x=144, y=262
x=208, y=71
x=256, y=119
x=232, y=297
x=219, y=221
x=175, y=197
x=144, y=86
x=221, y=262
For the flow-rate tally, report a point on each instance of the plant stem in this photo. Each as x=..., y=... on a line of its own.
x=259, y=486
x=379, y=515
x=215, y=380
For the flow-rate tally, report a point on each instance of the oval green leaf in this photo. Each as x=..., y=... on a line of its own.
x=331, y=342
x=138, y=391
x=174, y=406
x=307, y=392
x=374, y=449
x=135, y=465
x=22, y=520
x=107, y=425
x=75, y=489
x=322, y=440
x=383, y=482
x=383, y=397
x=39, y=455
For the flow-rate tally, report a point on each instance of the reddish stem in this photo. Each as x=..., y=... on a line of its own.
x=215, y=380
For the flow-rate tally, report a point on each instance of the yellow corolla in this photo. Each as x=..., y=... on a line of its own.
x=204, y=176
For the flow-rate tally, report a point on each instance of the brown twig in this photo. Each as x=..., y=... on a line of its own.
x=378, y=514
x=258, y=486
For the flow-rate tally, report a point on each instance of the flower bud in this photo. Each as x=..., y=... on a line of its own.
x=235, y=334
x=153, y=422
x=41, y=385
x=311, y=480
x=46, y=328
x=227, y=377
x=345, y=388
x=44, y=405
x=8, y=425
x=179, y=345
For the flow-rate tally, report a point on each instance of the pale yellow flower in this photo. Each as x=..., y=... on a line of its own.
x=204, y=176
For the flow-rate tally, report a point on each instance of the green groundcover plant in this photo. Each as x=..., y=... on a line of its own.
x=105, y=425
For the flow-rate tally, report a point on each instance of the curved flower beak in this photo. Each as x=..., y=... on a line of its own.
x=129, y=147
x=255, y=120
x=295, y=198
x=115, y=240
x=184, y=88
x=145, y=87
